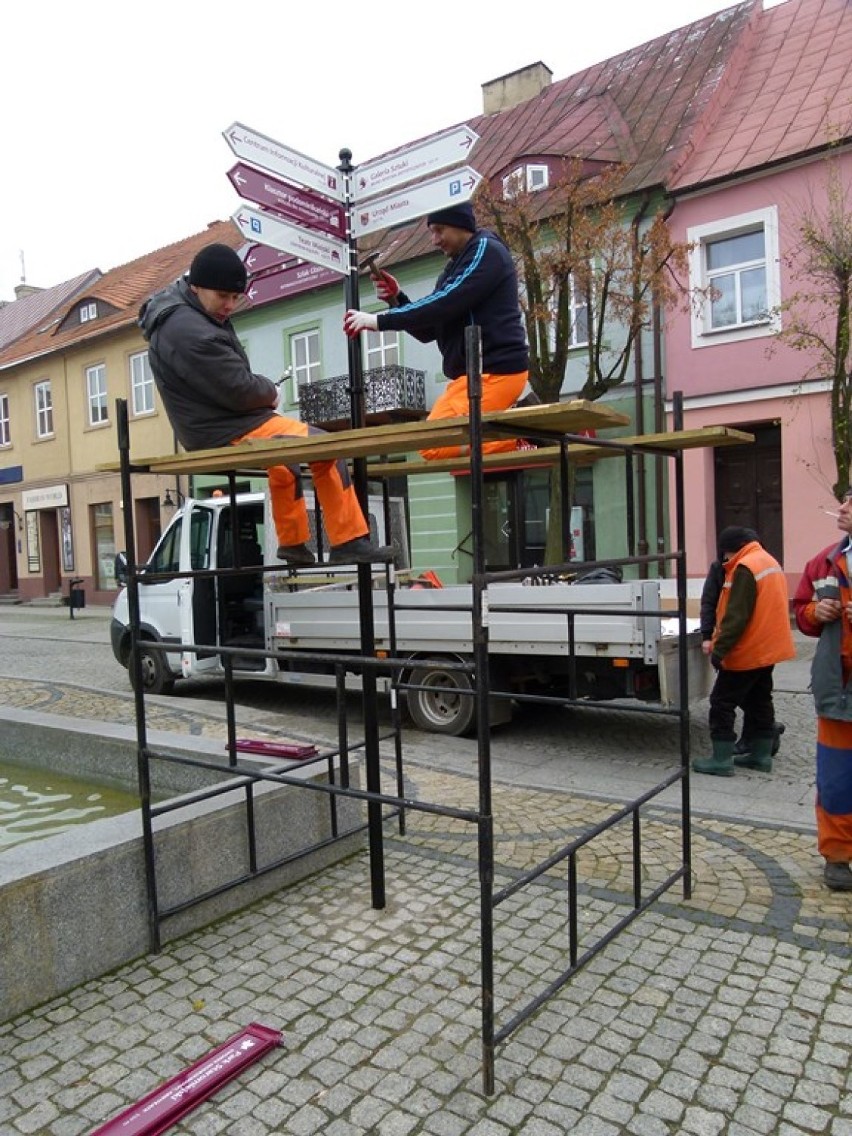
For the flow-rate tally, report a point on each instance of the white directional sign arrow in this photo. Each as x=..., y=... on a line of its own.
x=269, y=155
x=439, y=193
x=266, y=229
x=447, y=149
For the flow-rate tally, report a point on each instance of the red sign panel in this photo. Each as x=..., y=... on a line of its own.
x=257, y=258
x=164, y=1107
x=289, y=282
x=295, y=204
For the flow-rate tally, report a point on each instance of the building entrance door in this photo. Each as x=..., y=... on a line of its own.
x=748, y=486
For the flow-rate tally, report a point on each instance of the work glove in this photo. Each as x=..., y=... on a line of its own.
x=355, y=322
x=387, y=286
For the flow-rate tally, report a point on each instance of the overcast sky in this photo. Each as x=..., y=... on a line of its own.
x=113, y=114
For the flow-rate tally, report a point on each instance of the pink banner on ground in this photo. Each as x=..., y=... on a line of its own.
x=275, y=749
x=164, y=1107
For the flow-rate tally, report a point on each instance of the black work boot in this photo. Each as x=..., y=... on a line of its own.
x=296, y=555
x=361, y=550
x=837, y=876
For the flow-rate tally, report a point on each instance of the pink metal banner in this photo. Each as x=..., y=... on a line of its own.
x=296, y=204
x=165, y=1106
x=257, y=258
x=288, y=282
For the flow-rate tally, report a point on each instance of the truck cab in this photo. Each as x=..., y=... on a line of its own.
x=204, y=609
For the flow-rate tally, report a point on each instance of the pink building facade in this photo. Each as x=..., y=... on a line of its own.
x=725, y=357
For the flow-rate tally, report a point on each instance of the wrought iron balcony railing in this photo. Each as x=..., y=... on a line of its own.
x=391, y=394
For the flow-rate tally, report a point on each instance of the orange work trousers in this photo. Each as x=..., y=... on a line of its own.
x=499, y=392
x=344, y=519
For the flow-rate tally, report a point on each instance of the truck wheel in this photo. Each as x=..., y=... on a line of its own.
x=156, y=676
x=442, y=709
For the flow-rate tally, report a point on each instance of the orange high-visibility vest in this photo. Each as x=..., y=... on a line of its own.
x=767, y=638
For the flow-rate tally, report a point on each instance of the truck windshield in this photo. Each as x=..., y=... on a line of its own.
x=166, y=556
x=200, y=528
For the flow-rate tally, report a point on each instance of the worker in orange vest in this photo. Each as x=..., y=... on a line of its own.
x=752, y=634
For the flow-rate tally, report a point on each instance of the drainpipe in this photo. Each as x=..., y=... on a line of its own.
x=638, y=381
x=659, y=421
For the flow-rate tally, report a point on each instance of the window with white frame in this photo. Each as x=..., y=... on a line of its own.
x=305, y=360
x=43, y=409
x=96, y=394
x=530, y=178
x=88, y=312
x=5, y=425
x=579, y=314
x=381, y=349
x=141, y=384
x=735, y=275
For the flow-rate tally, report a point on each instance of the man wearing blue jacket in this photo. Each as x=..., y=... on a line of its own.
x=478, y=286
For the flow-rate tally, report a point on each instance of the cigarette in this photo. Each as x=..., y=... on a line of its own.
x=828, y=512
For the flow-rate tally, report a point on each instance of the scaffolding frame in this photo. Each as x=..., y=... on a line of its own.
x=380, y=806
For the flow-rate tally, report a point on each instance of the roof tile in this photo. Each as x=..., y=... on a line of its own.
x=123, y=290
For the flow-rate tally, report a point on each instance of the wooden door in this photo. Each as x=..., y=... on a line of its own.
x=748, y=486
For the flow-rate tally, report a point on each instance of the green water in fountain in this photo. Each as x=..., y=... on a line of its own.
x=35, y=803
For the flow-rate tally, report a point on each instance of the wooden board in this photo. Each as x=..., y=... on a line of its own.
x=550, y=421
x=579, y=453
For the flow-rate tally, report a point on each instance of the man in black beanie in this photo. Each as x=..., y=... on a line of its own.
x=751, y=635
x=213, y=398
x=710, y=593
x=479, y=286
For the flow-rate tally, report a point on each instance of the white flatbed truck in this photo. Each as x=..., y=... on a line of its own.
x=616, y=650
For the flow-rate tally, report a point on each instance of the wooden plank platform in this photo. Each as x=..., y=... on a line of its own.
x=552, y=420
x=579, y=453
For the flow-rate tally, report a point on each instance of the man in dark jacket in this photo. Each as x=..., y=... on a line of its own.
x=710, y=593
x=478, y=286
x=752, y=634
x=213, y=398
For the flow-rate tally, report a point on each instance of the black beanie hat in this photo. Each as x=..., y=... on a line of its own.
x=733, y=538
x=218, y=267
x=458, y=216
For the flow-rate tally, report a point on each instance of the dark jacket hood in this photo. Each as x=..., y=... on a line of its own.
x=159, y=306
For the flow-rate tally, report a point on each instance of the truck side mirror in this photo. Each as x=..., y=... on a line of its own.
x=120, y=568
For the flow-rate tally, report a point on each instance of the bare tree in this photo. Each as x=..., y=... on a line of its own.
x=580, y=247
x=585, y=253
x=817, y=318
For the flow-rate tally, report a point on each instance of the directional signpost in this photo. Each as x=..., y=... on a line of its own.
x=266, y=228
x=308, y=214
x=259, y=258
x=294, y=277
x=414, y=201
x=414, y=162
x=270, y=155
x=288, y=201
x=307, y=222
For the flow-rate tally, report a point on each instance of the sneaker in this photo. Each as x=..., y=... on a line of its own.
x=528, y=399
x=838, y=877
x=361, y=550
x=296, y=555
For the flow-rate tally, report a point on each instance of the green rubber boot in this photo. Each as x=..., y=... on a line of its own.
x=721, y=764
x=759, y=757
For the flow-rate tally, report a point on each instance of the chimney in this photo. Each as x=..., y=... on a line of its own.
x=24, y=290
x=517, y=87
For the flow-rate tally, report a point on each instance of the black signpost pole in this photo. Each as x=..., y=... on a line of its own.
x=358, y=417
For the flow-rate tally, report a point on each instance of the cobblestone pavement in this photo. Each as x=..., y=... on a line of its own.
x=728, y=1012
